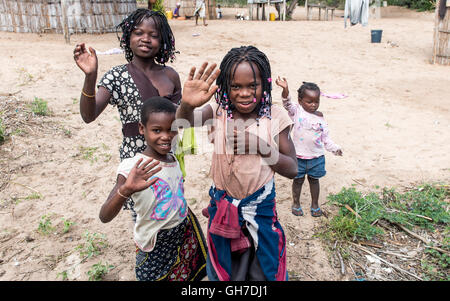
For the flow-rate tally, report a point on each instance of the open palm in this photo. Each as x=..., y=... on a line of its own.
x=138, y=178
x=85, y=60
x=199, y=88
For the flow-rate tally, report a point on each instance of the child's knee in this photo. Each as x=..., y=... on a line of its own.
x=299, y=181
x=313, y=180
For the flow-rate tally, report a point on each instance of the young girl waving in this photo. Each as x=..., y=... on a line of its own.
x=311, y=136
x=169, y=241
x=251, y=143
x=148, y=43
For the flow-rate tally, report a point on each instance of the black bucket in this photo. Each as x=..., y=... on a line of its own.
x=376, y=35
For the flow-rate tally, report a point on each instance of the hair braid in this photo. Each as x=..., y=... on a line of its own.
x=228, y=67
x=167, y=47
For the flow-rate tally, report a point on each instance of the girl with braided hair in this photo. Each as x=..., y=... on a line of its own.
x=251, y=144
x=148, y=43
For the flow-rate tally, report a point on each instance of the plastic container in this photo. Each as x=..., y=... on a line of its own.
x=169, y=14
x=272, y=17
x=376, y=35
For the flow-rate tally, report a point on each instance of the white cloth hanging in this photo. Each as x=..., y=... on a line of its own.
x=357, y=11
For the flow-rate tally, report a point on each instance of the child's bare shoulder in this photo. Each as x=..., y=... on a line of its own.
x=171, y=73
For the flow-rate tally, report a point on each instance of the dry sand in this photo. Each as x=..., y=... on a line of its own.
x=393, y=127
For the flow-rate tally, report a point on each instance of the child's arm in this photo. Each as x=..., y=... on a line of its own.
x=329, y=143
x=197, y=91
x=286, y=165
x=125, y=187
x=285, y=97
x=91, y=104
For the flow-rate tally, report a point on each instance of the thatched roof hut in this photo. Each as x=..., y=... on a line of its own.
x=91, y=16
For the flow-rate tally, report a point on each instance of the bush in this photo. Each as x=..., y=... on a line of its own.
x=407, y=209
x=420, y=5
x=2, y=132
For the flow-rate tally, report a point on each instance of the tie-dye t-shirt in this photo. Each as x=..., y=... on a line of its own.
x=161, y=206
x=310, y=132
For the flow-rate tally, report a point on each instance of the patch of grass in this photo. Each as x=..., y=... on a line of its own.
x=88, y=153
x=39, y=107
x=423, y=206
x=2, y=132
x=66, y=225
x=93, y=246
x=435, y=264
x=98, y=271
x=45, y=225
x=33, y=196
x=63, y=275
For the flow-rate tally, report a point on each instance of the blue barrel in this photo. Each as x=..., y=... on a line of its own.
x=376, y=35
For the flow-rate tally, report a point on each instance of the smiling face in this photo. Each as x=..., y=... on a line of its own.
x=158, y=134
x=310, y=101
x=246, y=88
x=145, y=39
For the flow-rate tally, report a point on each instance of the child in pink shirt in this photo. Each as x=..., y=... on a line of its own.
x=310, y=137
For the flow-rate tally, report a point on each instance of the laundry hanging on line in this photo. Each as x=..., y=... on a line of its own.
x=357, y=11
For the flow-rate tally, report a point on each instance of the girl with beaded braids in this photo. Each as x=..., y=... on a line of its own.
x=148, y=44
x=251, y=143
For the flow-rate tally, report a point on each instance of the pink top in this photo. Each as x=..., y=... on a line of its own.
x=242, y=175
x=310, y=133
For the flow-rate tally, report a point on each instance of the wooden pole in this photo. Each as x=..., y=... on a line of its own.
x=441, y=53
x=64, y=21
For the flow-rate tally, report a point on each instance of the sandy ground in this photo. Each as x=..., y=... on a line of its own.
x=393, y=127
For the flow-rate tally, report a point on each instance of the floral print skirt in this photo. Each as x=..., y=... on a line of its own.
x=179, y=254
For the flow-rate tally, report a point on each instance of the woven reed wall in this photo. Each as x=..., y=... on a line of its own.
x=90, y=16
x=441, y=43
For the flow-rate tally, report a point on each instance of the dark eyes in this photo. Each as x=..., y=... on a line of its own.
x=140, y=33
x=237, y=87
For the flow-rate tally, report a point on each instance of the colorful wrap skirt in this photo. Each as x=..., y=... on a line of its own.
x=179, y=255
x=255, y=214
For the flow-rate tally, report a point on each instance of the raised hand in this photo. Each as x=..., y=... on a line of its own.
x=138, y=178
x=284, y=85
x=199, y=88
x=86, y=60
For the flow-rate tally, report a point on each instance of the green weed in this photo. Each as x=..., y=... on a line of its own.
x=88, y=153
x=93, y=246
x=2, y=131
x=63, y=275
x=423, y=206
x=39, y=107
x=98, y=271
x=66, y=225
x=45, y=225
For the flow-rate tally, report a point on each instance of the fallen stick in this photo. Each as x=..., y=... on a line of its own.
x=356, y=181
x=352, y=211
x=370, y=244
x=412, y=233
x=418, y=215
x=386, y=262
x=342, y=262
x=438, y=249
x=26, y=187
x=426, y=241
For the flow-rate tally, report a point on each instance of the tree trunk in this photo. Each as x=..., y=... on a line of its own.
x=290, y=9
